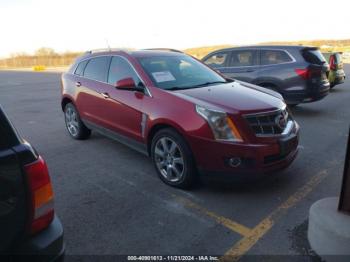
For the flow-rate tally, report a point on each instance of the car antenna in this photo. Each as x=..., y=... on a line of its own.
x=108, y=46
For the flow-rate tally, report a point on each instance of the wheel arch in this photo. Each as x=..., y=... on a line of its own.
x=66, y=100
x=159, y=126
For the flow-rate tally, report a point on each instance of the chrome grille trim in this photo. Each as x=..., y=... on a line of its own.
x=266, y=124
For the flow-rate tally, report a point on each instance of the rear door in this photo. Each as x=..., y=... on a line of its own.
x=91, y=98
x=13, y=206
x=242, y=65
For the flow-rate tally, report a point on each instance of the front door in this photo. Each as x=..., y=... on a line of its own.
x=125, y=106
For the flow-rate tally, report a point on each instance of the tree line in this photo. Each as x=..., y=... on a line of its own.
x=44, y=57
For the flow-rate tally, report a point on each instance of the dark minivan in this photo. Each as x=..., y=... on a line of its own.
x=298, y=73
x=29, y=227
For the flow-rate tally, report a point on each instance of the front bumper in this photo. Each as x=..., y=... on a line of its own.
x=212, y=157
x=46, y=246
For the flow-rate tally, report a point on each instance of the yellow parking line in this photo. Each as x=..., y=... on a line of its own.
x=232, y=225
x=248, y=241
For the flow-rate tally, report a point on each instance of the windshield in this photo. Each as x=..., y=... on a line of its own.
x=178, y=72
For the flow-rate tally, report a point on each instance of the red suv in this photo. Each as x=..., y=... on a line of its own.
x=187, y=117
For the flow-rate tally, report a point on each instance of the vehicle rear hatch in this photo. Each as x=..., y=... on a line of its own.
x=318, y=69
x=13, y=204
x=338, y=61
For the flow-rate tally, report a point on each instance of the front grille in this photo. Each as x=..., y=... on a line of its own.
x=269, y=123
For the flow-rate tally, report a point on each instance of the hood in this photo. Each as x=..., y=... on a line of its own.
x=235, y=97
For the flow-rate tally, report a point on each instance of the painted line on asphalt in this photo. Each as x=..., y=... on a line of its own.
x=230, y=224
x=248, y=241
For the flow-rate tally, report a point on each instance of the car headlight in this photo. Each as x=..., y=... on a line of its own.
x=222, y=126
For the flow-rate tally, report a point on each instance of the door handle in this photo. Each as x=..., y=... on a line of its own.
x=105, y=95
x=77, y=84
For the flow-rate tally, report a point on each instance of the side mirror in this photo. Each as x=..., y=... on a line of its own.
x=126, y=84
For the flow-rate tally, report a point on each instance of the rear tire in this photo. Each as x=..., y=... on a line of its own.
x=173, y=159
x=74, y=125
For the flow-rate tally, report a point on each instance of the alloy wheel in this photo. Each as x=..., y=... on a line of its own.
x=72, y=121
x=169, y=159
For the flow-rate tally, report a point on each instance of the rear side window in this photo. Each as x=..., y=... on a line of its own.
x=121, y=69
x=97, y=68
x=80, y=68
x=243, y=58
x=273, y=57
x=327, y=56
x=313, y=56
x=216, y=60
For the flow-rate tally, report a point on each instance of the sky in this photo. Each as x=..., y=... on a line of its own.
x=80, y=25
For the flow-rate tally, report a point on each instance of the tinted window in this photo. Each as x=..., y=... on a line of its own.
x=178, y=72
x=327, y=56
x=243, y=58
x=313, y=56
x=272, y=57
x=121, y=69
x=80, y=68
x=216, y=60
x=97, y=68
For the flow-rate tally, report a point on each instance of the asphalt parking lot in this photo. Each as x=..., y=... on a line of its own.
x=111, y=201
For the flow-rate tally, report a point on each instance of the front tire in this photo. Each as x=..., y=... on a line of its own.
x=74, y=125
x=173, y=159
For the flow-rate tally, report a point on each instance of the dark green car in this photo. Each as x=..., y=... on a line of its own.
x=336, y=75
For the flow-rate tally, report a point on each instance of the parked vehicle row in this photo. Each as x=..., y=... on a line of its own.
x=298, y=73
x=28, y=224
x=188, y=118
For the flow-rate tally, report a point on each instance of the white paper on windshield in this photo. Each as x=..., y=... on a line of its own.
x=163, y=76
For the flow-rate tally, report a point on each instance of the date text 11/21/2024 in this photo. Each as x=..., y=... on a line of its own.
x=173, y=258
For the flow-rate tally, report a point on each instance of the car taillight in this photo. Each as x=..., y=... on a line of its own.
x=309, y=73
x=332, y=63
x=41, y=196
x=303, y=72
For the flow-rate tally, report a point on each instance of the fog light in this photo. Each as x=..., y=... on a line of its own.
x=235, y=161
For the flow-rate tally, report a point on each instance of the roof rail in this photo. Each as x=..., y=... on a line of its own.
x=104, y=50
x=164, y=49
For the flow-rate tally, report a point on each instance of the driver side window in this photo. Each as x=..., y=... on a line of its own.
x=216, y=60
x=121, y=69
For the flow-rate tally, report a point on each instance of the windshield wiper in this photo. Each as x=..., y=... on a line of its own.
x=175, y=88
x=208, y=84
x=196, y=86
